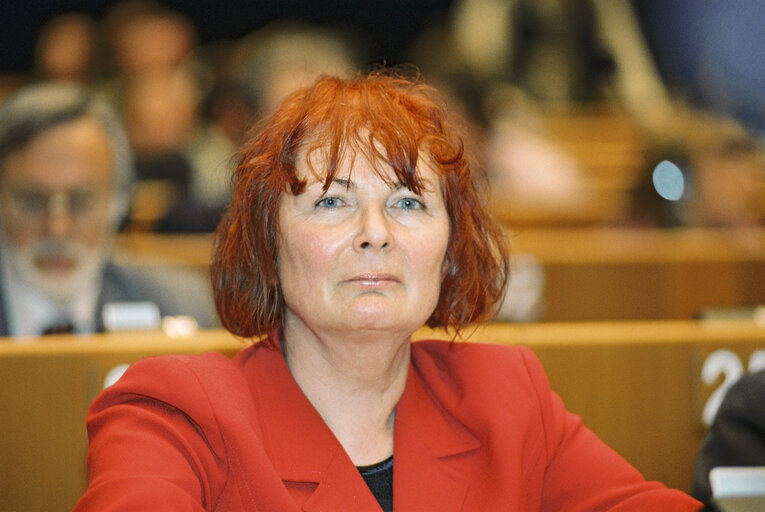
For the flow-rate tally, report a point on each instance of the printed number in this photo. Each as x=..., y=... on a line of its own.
x=726, y=363
x=757, y=360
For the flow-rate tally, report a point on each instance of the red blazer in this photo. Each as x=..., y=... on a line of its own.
x=477, y=429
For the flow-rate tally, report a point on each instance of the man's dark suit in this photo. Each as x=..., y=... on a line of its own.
x=737, y=435
x=175, y=291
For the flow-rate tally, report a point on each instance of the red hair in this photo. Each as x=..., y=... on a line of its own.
x=387, y=119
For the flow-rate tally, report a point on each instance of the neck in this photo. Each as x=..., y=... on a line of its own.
x=354, y=382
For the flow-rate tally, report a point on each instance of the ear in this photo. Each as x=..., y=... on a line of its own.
x=120, y=207
x=447, y=266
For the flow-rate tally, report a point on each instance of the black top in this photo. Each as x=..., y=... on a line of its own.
x=379, y=479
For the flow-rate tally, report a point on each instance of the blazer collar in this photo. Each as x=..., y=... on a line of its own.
x=303, y=449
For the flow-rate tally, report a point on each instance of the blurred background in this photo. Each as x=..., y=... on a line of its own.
x=622, y=130
x=622, y=142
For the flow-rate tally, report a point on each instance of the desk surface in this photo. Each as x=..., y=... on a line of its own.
x=570, y=334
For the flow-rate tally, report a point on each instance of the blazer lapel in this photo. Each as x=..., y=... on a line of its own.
x=429, y=446
x=303, y=449
x=342, y=488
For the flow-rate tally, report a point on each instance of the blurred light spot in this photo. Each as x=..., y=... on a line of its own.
x=114, y=374
x=668, y=180
x=179, y=326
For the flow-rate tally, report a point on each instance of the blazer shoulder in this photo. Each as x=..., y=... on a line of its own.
x=750, y=385
x=744, y=399
x=474, y=357
x=480, y=369
x=179, y=380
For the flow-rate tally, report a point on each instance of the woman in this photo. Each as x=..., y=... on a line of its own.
x=354, y=221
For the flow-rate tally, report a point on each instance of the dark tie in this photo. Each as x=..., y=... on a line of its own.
x=61, y=328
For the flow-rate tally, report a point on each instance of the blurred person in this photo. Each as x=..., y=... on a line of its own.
x=67, y=49
x=231, y=108
x=737, y=434
x=143, y=34
x=182, y=133
x=286, y=55
x=533, y=178
x=550, y=49
x=65, y=181
x=356, y=218
x=726, y=185
x=562, y=53
x=173, y=142
x=160, y=109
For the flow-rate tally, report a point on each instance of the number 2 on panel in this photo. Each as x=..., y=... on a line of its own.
x=726, y=363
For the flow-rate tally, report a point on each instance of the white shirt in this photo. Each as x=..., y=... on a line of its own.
x=30, y=312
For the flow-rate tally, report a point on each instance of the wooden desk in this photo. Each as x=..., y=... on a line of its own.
x=638, y=385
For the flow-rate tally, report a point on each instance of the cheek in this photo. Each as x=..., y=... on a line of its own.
x=94, y=233
x=303, y=255
x=19, y=234
x=429, y=254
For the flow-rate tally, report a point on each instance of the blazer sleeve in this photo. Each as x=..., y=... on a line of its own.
x=582, y=472
x=146, y=451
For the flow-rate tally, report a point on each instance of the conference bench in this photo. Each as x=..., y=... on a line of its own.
x=591, y=274
x=643, y=387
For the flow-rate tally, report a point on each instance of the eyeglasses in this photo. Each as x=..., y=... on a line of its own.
x=32, y=204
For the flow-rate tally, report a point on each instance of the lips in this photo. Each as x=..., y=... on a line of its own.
x=374, y=280
x=55, y=265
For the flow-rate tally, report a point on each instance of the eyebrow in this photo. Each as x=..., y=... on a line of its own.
x=349, y=184
x=345, y=183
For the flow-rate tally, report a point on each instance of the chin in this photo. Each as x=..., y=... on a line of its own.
x=61, y=287
x=392, y=321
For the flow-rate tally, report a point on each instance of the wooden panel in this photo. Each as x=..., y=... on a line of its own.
x=636, y=384
x=643, y=274
x=46, y=388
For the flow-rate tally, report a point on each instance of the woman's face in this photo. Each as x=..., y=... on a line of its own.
x=365, y=255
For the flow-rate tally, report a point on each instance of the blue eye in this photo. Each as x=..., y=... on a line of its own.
x=328, y=202
x=410, y=203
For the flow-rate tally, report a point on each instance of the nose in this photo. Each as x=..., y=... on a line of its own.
x=374, y=232
x=58, y=225
x=58, y=218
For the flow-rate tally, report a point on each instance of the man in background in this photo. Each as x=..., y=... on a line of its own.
x=65, y=178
